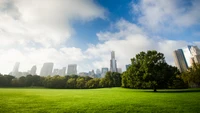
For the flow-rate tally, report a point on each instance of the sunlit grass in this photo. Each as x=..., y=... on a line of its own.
x=22, y=100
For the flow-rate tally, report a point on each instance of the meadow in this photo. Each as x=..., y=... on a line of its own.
x=105, y=100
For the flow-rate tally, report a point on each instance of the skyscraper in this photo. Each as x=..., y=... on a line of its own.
x=72, y=69
x=113, y=62
x=180, y=60
x=104, y=71
x=15, y=71
x=195, y=51
x=55, y=72
x=33, y=70
x=46, y=69
x=62, y=71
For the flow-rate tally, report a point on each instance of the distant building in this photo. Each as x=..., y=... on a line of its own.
x=119, y=70
x=127, y=66
x=46, y=69
x=91, y=74
x=195, y=51
x=98, y=73
x=55, y=72
x=180, y=60
x=15, y=71
x=72, y=69
x=62, y=71
x=33, y=70
x=113, y=62
x=104, y=71
x=83, y=74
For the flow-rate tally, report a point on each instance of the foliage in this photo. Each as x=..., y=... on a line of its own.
x=192, y=76
x=149, y=70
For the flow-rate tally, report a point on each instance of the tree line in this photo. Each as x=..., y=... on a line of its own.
x=111, y=79
x=147, y=70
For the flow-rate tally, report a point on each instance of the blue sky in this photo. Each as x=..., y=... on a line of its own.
x=85, y=32
x=118, y=9
x=115, y=10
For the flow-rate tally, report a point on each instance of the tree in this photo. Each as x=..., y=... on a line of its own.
x=192, y=76
x=149, y=70
x=93, y=83
x=80, y=82
x=71, y=83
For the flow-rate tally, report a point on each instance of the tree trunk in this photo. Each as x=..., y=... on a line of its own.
x=154, y=89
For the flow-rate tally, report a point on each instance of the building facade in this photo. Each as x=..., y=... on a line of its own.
x=113, y=62
x=180, y=60
x=104, y=71
x=46, y=69
x=33, y=70
x=195, y=51
x=72, y=69
x=15, y=71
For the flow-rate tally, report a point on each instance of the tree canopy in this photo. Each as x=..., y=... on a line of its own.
x=149, y=70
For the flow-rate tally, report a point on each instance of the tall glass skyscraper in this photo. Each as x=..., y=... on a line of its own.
x=113, y=62
x=180, y=60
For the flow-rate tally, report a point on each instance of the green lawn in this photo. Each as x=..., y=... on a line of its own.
x=22, y=100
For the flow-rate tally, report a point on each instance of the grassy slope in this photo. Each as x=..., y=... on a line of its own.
x=97, y=100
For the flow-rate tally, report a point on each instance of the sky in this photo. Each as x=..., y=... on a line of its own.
x=84, y=32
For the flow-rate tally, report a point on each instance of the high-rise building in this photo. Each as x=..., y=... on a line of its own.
x=127, y=66
x=91, y=74
x=55, y=72
x=15, y=71
x=98, y=73
x=33, y=70
x=46, y=69
x=195, y=52
x=104, y=71
x=83, y=74
x=62, y=71
x=119, y=70
x=72, y=69
x=180, y=60
x=113, y=62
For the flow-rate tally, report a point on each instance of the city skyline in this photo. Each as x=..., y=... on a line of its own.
x=49, y=69
x=65, y=34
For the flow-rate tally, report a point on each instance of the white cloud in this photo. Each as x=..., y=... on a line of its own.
x=124, y=27
x=127, y=44
x=43, y=22
x=36, y=31
x=166, y=15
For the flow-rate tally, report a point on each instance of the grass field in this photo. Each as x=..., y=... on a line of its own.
x=98, y=100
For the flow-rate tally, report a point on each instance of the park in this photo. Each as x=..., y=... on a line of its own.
x=103, y=100
x=149, y=85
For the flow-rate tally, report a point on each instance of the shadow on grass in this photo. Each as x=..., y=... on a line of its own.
x=175, y=90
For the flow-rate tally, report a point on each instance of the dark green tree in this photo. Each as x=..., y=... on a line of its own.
x=192, y=76
x=80, y=82
x=149, y=70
